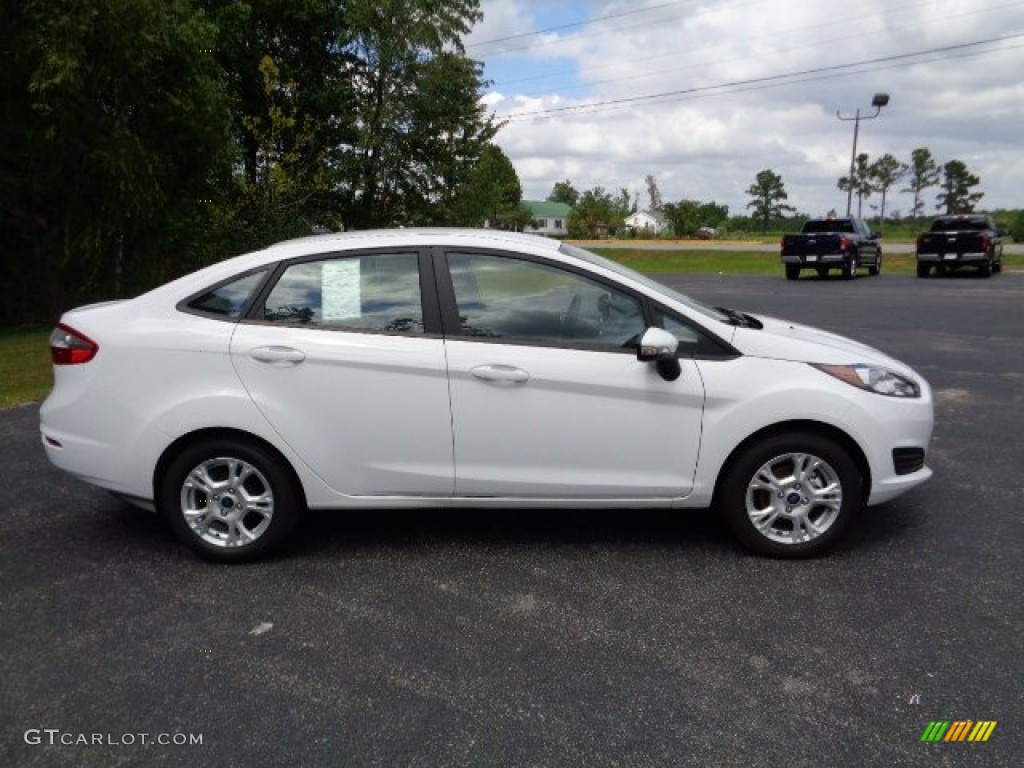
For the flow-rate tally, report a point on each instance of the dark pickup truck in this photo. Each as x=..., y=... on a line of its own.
x=967, y=239
x=831, y=243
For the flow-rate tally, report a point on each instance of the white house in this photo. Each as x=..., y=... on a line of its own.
x=551, y=219
x=647, y=222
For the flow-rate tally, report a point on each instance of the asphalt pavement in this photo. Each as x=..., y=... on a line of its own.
x=565, y=638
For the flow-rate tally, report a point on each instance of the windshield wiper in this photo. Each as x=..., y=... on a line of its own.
x=742, y=319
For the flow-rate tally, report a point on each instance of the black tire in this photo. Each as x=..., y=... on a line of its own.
x=877, y=268
x=985, y=270
x=923, y=269
x=822, y=271
x=784, y=533
x=997, y=266
x=792, y=271
x=850, y=268
x=256, y=499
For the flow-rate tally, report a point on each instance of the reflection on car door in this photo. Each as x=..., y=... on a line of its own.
x=547, y=396
x=338, y=361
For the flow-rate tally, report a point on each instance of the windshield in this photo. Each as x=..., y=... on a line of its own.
x=614, y=266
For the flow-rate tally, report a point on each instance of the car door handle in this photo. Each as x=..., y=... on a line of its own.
x=277, y=355
x=504, y=374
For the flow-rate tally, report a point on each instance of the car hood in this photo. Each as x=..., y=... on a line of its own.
x=783, y=340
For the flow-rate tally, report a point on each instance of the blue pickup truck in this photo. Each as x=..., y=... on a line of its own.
x=846, y=244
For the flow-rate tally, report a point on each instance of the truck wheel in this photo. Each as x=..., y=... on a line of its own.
x=923, y=269
x=850, y=268
x=985, y=270
x=877, y=268
x=792, y=271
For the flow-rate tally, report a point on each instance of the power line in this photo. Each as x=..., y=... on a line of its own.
x=735, y=84
x=572, y=24
x=844, y=22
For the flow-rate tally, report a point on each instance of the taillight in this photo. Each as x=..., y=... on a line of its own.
x=69, y=347
x=986, y=242
x=844, y=242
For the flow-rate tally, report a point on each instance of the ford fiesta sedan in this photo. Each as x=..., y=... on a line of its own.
x=463, y=368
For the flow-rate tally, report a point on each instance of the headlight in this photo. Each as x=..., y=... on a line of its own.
x=873, y=378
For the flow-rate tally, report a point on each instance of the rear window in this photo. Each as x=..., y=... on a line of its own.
x=828, y=225
x=960, y=225
x=228, y=300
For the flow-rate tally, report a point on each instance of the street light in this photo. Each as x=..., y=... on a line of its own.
x=879, y=101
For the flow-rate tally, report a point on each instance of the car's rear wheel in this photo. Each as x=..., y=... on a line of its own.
x=850, y=268
x=791, y=495
x=792, y=271
x=229, y=500
x=986, y=268
x=923, y=269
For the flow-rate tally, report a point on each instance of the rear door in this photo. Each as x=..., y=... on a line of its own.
x=344, y=358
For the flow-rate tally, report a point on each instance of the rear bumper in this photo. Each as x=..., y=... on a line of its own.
x=816, y=259
x=953, y=258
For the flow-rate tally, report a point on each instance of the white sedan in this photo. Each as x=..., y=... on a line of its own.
x=429, y=368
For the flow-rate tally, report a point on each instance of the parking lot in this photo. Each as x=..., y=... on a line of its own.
x=525, y=638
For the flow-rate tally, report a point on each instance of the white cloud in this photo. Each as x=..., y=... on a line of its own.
x=965, y=103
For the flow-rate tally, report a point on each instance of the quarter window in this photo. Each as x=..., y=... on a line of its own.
x=370, y=292
x=523, y=301
x=228, y=300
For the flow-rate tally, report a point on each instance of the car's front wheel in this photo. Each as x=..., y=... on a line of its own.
x=850, y=268
x=791, y=495
x=229, y=500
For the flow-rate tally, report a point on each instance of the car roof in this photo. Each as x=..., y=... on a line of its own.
x=410, y=236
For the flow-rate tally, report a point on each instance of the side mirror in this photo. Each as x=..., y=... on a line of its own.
x=659, y=346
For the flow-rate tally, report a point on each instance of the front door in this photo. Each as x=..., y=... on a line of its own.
x=548, y=399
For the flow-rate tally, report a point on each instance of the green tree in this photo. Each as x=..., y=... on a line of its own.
x=493, y=192
x=923, y=173
x=387, y=121
x=416, y=125
x=564, y=192
x=768, y=193
x=116, y=126
x=862, y=181
x=885, y=172
x=598, y=212
x=956, y=195
x=687, y=216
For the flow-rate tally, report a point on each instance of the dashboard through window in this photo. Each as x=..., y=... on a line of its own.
x=523, y=301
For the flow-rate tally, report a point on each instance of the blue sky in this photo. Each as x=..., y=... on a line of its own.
x=752, y=84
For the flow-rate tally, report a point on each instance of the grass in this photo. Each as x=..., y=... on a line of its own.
x=26, y=374
x=25, y=371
